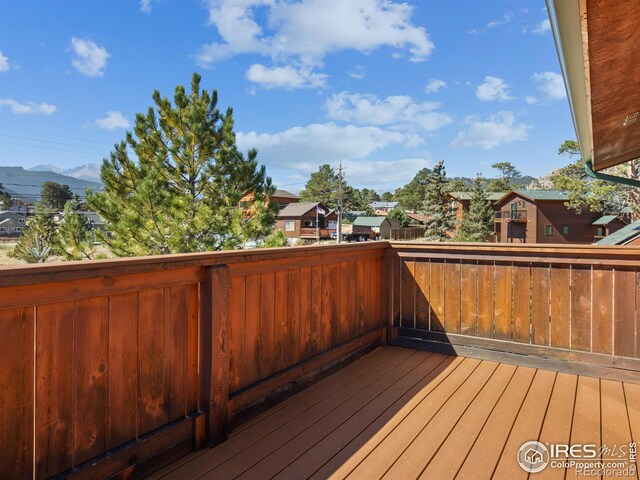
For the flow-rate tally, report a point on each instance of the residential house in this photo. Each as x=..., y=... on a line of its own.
x=627, y=235
x=417, y=219
x=541, y=216
x=382, y=208
x=380, y=225
x=11, y=228
x=606, y=225
x=282, y=197
x=307, y=220
x=459, y=202
x=16, y=217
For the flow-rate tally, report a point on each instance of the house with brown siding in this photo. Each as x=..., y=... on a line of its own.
x=282, y=197
x=627, y=235
x=459, y=202
x=541, y=216
x=307, y=220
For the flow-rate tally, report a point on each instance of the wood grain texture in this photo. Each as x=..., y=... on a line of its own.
x=503, y=301
x=17, y=359
x=540, y=304
x=485, y=299
x=468, y=298
x=521, y=303
x=560, y=306
x=602, y=305
x=624, y=300
x=452, y=296
x=581, y=299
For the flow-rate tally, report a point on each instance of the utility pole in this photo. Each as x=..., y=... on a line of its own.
x=339, y=209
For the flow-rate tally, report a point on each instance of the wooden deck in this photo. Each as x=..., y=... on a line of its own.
x=402, y=413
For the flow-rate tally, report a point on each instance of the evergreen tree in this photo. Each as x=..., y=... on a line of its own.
x=386, y=197
x=183, y=192
x=369, y=196
x=322, y=186
x=55, y=195
x=505, y=182
x=436, y=206
x=5, y=199
x=400, y=215
x=74, y=237
x=412, y=195
x=34, y=245
x=477, y=223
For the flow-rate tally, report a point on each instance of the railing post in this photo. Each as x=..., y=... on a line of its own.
x=214, y=353
x=386, y=283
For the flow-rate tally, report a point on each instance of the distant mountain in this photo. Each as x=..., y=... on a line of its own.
x=27, y=184
x=89, y=172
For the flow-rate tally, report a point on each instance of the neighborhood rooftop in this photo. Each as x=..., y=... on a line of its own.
x=622, y=236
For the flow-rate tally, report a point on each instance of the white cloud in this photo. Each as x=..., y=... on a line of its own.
x=551, y=84
x=358, y=72
x=112, y=121
x=434, y=85
x=530, y=100
x=493, y=88
x=366, y=173
x=4, y=63
x=145, y=6
x=312, y=144
x=542, y=28
x=395, y=111
x=305, y=31
x=506, y=18
x=27, y=108
x=286, y=77
x=495, y=130
x=89, y=59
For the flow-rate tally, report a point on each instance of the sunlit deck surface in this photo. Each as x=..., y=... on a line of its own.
x=402, y=413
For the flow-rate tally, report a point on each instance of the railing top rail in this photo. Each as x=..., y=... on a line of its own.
x=531, y=252
x=30, y=274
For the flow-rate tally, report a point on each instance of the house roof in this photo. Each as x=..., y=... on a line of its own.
x=605, y=220
x=369, y=221
x=299, y=209
x=375, y=205
x=418, y=217
x=538, y=195
x=491, y=196
x=622, y=236
x=284, y=194
x=597, y=47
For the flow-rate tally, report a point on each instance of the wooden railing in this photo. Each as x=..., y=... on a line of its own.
x=558, y=303
x=116, y=367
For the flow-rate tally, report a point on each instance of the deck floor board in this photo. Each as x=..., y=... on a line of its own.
x=404, y=413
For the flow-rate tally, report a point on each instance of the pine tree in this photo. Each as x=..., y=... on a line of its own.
x=55, y=195
x=5, y=199
x=322, y=186
x=73, y=240
x=34, y=245
x=435, y=205
x=477, y=223
x=411, y=196
x=182, y=193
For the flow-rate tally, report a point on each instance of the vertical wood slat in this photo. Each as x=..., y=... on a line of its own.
x=214, y=357
x=602, y=305
x=281, y=326
x=396, y=290
x=452, y=296
x=90, y=379
x=237, y=329
x=352, y=306
x=266, y=361
x=560, y=306
x=316, y=310
x=344, y=320
x=253, y=348
x=360, y=310
x=327, y=294
x=334, y=303
x=54, y=387
x=193, y=310
x=503, y=301
x=486, y=292
x=17, y=359
x=305, y=312
x=624, y=301
x=436, y=296
x=175, y=351
x=422, y=274
x=122, y=369
x=521, y=303
x=581, y=308
x=407, y=313
x=469, y=296
x=293, y=317
x=540, y=304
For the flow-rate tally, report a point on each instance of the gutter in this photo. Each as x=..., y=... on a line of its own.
x=630, y=182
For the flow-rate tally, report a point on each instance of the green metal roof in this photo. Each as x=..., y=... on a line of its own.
x=544, y=194
x=369, y=221
x=605, y=220
x=622, y=236
x=491, y=196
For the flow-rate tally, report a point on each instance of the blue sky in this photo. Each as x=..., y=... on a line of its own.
x=387, y=87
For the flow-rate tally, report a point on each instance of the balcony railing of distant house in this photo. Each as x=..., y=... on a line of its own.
x=316, y=232
x=118, y=367
x=512, y=216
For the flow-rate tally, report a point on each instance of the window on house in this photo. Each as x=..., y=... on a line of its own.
x=600, y=232
x=17, y=229
x=3, y=229
x=565, y=229
x=290, y=225
x=548, y=230
x=22, y=220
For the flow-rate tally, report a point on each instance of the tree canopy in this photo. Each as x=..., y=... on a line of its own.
x=412, y=195
x=477, y=222
x=400, y=215
x=436, y=206
x=505, y=181
x=181, y=190
x=322, y=186
x=55, y=195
